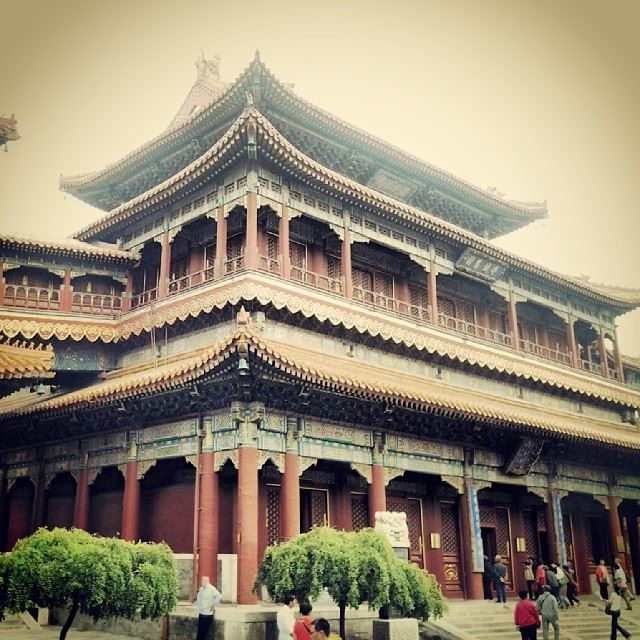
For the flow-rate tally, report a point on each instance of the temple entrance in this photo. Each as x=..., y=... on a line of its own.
x=167, y=498
x=20, y=510
x=413, y=509
x=489, y=543
x=105, y=503
x=60, y=501
x=314, y=509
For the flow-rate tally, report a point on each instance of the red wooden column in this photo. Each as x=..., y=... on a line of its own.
x=513, y=321
x=221, y=244
x=432, y=524
x=208, y=517
x=128, y=292
x=131, y=497
x=469, y=514
x=346, y=264
x=165, y=265
x=615, y=531
x=618, y=357
x=81, y=507
x=432, y=293
x=603, y=353
x=251, y=257
x=283, y=237
x=247, y=418
x=571, y=342
x=377, y=495
x=291, y=484
x=4, y=515
x=65, y=291
x=196, y=265
x=37, y=515
x=550, y=519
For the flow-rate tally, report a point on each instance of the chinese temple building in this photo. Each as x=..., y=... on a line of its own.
x=282, y=321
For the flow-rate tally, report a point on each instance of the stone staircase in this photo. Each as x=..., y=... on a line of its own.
x=474, y=620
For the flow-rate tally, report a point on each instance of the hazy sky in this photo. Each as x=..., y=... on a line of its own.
x=539, y=98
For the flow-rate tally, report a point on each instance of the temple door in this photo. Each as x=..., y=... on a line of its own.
x=503, y=537
x=451, y=555
x=567, y=524
x=272, y=515
x=314, y=509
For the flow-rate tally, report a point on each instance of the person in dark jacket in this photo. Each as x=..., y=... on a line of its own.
x=487, y=579
x=499, y=580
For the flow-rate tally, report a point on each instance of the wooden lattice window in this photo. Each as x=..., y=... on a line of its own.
x=272, y=246
x=179, y=268
x=334, y=267
x=450, y=538
x=234, y=247
x=298, y=255
x=465, y=311
x=497, y=321
x=359, y=511
x=383, y=283
x=502, y=531
x=446, y=307
x=319, y=515
x=558, y=341
x=527, y=331
x=362, y=279
x=273, y=515
x=542, y=520
x=529, y=522
x=418, y=296
x=487, y=516
x=210, y=256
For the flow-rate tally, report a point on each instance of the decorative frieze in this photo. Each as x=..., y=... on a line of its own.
x=336, y=433
x=390, y=473
x=541, y=492
x=305, y=463
x=415, y=446
x=144, y=466
x=276, y=458
x=62, y=450
x=274, y=422
x=106, y=441
x=584, y=473
x=20, y=456
x=102, y=459
x=222, y=457
x=457, y=482
x=21, y=471
x=171, y=431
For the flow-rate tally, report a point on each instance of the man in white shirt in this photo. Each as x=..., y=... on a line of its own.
x=285, y=618
x=207, y=600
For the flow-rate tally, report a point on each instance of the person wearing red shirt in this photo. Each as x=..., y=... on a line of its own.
x=302, y=627
x=526, y=617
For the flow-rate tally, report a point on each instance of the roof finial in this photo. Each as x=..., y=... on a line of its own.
x=257, y=56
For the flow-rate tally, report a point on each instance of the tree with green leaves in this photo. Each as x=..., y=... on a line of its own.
x=354, y=567
x=101, y=577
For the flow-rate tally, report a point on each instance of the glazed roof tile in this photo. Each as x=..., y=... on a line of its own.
x=235, y=92
x=275, y=143
x=22, y=360
x=345, y=375
x=69, y=246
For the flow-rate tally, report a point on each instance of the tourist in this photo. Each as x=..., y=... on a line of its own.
x=554, y=584
x=572, y=585
x=563, y=581
x=549, y=612
x=529, y=576
x=321, y=629
x=541, y=577
x=285, y=618
x=207, y=600
x=487, y=579
x=499, y=579
x=620, y=582
x=613, y=609
x=526, y=617
x=302, y=626
x=602, y=578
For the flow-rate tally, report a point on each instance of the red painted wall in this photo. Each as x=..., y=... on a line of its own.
x=105, y=503
x=166, y=514
x=20, y=508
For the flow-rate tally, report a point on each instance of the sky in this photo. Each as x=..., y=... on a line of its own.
x=538, y=98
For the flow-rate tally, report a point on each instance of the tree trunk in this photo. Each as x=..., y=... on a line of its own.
x=69, y=621
x=343, y=633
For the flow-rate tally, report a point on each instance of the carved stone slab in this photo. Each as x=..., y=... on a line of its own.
x=393, y=524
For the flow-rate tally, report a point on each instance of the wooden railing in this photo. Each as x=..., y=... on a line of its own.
x=26, y=297
x=96, y=303
x=190, y=281
x=316, y=280
x=472, y=329
x=234, y=265
x=269, y=264
x=381, y=301
x=140, y=299
x=592, y=367
x=539, y=350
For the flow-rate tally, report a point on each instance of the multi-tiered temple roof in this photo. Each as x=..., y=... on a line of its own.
x=212, y=107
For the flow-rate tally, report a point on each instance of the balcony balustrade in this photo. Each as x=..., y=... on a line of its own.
x=317, y=280
x=96, y=303
x=564, y=357
x=26, y=297
x=472, y=329
x=41, y=298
